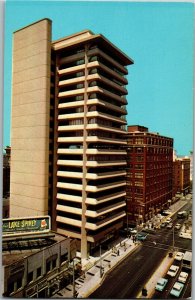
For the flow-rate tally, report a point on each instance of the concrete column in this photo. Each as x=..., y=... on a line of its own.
x=84, y=180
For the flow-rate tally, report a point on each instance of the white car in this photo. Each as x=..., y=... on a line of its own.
x=185, y=235
x=183, y=277
x=179, y=256
x=133, y=231
x=173, y=271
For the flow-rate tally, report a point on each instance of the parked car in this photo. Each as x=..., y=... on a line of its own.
x=161, y=283
x=178, y=226
x=170, y=225
x=177, y=289
x=173, y=271
x=179, y=256
x=183, y=277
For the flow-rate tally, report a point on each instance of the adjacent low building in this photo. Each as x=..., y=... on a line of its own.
x=181, y=175
x=149, y=173
x=35, y=265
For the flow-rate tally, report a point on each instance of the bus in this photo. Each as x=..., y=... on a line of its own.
x=187, y=260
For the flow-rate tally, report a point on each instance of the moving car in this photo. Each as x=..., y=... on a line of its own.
x=170, y=225
x=163, y=225
x=173, y=271
x=166, y=212
x=177, y=289
x=168, y=220
x=179, y=256
x=178, y=226
x=133, y=231
x=182, y=214
x=183, y=277
x=160, y=285
x=141, y=236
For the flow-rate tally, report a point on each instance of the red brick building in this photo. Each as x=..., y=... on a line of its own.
x=181, y=175
x=149, y=173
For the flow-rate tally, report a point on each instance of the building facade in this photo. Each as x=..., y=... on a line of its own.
x=6, y=172
x=37, y=273
x=191, y=156
x=181, y=175
x=149, y=173
x=6, y=182
x=68, y=132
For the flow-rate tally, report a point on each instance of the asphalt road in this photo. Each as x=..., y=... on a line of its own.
x=128, y=278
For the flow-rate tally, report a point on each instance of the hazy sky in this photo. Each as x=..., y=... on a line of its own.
x=157, y=36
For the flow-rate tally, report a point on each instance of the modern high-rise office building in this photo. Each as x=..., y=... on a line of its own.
x=149, y=173
x=69, y=132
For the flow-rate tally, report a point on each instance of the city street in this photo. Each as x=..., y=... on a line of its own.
x=127, y=279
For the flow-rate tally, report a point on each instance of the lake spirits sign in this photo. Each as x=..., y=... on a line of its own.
x=19, y=226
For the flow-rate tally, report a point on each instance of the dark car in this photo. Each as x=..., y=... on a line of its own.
x=170, y=225
x=163, y=225
x=141, y=236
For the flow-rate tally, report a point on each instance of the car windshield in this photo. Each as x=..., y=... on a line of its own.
x=161, y=281
x=177, y=288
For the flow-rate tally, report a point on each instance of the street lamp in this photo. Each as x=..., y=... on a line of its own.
x=101, y=268
x=74, y=292
x=173, y=239
x=73, y=278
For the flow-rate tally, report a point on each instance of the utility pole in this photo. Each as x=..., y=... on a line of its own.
x=127, y=226
x=73, y=279
x=173, y=239
x=101, y=273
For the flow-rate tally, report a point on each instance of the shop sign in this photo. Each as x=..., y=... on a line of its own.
x=26, y=225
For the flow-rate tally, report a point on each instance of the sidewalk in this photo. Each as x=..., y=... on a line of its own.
x=88, y=283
